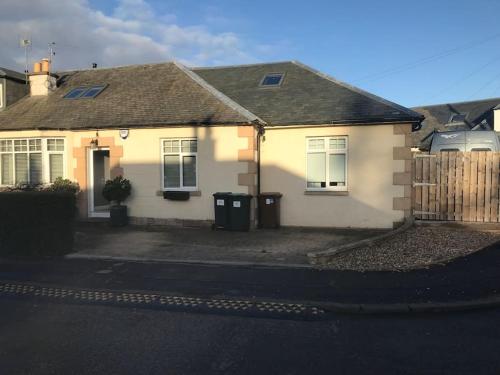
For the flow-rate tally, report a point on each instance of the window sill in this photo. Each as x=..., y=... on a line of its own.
x=327, y=192
x=194, y=193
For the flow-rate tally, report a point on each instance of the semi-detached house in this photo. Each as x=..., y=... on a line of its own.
x=340, y=156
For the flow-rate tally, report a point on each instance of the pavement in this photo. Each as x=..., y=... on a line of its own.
x=469, y=282
x=286, y=246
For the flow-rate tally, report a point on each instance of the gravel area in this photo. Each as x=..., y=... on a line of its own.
x=418, y=247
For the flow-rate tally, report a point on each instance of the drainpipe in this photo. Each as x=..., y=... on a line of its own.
x=260, y=133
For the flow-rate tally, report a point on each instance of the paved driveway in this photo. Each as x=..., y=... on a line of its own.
x=283, y=246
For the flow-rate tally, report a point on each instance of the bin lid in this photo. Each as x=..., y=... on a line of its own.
x=218, y=194
x=271, y=194
x=241, y=195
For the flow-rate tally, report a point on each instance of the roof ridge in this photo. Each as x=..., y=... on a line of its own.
x=13, y=74
x=116, y=67
x=408, y=111
x=455, y=103
x=239, y=65
x=251, y=117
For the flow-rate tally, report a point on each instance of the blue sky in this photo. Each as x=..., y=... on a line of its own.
x=411, y=52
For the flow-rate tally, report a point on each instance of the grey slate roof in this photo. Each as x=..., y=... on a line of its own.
x=479, y=116
x=7, y=73
x=306, y=96
x=168, y=94
x=140, y=95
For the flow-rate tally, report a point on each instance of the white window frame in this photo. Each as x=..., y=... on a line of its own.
x=45, y=157
x=181, y=154
x=326, y=150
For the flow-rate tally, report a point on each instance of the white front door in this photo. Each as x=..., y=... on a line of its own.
x=98, y=173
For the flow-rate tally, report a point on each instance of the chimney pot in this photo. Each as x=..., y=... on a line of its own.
x=45, y=65
x=37, y=67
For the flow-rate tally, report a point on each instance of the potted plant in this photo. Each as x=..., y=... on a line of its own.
x=116, y=191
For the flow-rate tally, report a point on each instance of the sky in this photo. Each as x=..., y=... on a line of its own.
x=411, y=52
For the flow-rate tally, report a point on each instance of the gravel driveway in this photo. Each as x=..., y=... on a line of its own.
x=418, y=247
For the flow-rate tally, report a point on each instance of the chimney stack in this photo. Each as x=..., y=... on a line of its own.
x=42, y=82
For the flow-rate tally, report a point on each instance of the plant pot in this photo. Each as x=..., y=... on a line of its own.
x=118, y=216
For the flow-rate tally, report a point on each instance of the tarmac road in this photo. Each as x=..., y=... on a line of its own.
x=44, y=332
x=39, y=337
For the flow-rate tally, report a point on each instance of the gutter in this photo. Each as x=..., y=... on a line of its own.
x=339, y=124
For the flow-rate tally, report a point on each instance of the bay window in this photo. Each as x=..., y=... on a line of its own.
x=31, y=160
x=327, y=163
x=179, y=158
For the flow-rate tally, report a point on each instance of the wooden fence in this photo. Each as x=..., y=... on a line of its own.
x=456, y=186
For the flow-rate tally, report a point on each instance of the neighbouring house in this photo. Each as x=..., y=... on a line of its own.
x=340, y=156
x=467, y=116
x=13, y=86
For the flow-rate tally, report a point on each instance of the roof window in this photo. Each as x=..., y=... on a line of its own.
x=272, y=80
x=75, y=93
x=87, y=92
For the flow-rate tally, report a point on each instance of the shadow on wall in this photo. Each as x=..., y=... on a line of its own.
x=368, y=203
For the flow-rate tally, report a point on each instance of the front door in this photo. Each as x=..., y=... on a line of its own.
x=99, y=172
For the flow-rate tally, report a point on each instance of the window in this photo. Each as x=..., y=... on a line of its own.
x=327, y=163
x=55, y=151
x=75, y=93
x=481, y=149
x=179, y=164
x=272, y=80
x=31, y=161
x=84, y=92
x=93, y=92
x=1, y=95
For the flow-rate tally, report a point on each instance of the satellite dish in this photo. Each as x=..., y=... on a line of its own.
x=50, y=84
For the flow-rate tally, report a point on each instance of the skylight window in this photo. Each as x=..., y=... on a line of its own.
x=85, y=92
x=92, y=92
x=272, y=80
x=75, y=93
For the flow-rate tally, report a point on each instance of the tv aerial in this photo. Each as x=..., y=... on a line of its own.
x=26, y=44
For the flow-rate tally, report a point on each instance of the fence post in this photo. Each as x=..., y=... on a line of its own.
x=494, y=187
x=466, y=188
x=459, y=186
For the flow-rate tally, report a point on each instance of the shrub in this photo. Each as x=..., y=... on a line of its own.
x=36, y=223
x=23, y=186
x=117, y=189
x=63, y=185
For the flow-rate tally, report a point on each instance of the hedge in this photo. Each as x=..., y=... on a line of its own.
x=36, y=223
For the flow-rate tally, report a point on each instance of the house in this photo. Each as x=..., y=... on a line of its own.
x=340, y=156
x=13, y=86
x=468, y=116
